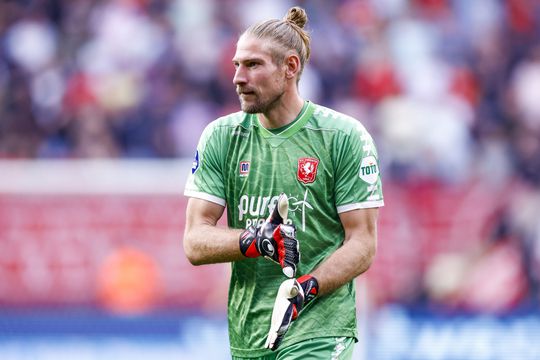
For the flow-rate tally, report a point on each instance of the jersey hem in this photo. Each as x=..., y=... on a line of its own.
x=362, y=205
x=205, y=196
x=291, y=341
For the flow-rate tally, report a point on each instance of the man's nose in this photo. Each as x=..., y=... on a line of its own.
x=239, y=76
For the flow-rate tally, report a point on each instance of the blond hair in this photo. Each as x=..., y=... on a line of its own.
x=286, y=34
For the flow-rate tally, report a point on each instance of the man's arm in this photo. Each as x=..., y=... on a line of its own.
x=355, y=255
x=204, y=242
x=352, y=259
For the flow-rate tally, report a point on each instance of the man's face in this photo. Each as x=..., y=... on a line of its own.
x=260, y=83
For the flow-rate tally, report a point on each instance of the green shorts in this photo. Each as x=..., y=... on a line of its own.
x=325, y=348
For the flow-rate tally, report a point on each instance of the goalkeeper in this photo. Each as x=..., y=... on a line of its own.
x=321, y=233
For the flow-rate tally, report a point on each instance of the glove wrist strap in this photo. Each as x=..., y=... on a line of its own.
x=248, y=243
x=310, y=285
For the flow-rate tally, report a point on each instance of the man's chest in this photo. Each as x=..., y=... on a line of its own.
x=258, y=171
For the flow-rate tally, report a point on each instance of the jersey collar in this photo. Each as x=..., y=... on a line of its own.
x=297, y=124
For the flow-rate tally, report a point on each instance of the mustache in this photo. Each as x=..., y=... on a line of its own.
x=244, y=90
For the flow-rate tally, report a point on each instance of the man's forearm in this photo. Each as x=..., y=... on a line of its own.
x=208, y=244
x=349, y=261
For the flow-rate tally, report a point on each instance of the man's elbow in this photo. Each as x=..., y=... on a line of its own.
x=191, y=252
x=194, y=260
x=369, y=255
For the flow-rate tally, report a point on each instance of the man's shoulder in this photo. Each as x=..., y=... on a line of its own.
x=226, y=126
x=325, y=118
x=232, y=120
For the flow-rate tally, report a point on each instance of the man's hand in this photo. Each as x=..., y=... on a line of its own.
x=293, y=295
x=274, y=239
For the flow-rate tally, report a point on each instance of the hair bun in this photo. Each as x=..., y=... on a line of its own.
x=297, y=15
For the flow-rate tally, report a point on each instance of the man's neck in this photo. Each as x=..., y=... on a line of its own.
x=283, y=114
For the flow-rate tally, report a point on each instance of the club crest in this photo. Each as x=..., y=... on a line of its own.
x=307, y=169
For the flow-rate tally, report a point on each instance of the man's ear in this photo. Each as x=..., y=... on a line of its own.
x=292, y=64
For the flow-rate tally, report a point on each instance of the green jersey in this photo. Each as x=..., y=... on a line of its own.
x=327, y=164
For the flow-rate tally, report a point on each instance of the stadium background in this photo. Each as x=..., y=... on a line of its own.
x=102, y=103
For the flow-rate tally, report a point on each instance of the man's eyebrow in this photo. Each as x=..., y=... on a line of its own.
x=247, y=59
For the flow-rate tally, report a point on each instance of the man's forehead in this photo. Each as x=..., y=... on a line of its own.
x=252, y=47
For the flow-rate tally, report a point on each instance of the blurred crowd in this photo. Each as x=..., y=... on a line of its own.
x=440, y=83
x=450, y=89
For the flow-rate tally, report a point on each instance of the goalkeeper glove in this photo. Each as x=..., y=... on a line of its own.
x=293, y=295
x=273, y=239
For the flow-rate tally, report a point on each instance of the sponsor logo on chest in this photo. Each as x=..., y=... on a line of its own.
x=255, y=209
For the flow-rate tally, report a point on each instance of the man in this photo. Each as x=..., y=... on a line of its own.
x=326, y=165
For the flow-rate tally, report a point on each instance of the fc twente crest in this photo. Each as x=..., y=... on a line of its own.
x=307, y=169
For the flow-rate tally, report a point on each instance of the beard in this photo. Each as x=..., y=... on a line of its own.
x=258, y=105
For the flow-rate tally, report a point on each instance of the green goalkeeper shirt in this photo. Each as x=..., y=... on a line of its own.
x=326, y=163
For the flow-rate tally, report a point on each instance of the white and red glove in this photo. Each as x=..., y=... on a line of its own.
x=293, y=295
x=273, y=239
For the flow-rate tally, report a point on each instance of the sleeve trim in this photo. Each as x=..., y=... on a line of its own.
x=362, y=205
x=205, y=196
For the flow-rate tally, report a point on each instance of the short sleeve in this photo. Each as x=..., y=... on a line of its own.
x=206, y=179
x=358, y=181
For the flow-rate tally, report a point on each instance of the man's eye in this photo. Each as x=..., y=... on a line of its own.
x=252, y=64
